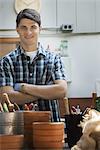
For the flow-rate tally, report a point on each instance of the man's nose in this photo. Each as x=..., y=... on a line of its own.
x=29, y=31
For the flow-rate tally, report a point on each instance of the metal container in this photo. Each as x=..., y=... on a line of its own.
x=11, y=123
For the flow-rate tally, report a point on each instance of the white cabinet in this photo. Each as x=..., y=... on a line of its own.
x=7, y=14
x=81, y=14
x=97, y=16
x=54, y=13
x=66, y=13
x=85, y=16
x=48, y=13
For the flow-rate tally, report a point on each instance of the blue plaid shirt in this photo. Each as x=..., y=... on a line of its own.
x=46, y=67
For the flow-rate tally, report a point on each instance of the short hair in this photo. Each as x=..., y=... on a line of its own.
x=31, y=14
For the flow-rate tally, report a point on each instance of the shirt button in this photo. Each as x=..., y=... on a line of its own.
x=30, y=74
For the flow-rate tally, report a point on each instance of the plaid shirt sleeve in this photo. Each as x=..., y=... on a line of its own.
x=58, y=73
x=6, y=78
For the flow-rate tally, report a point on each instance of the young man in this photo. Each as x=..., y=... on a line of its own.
x=30, y=73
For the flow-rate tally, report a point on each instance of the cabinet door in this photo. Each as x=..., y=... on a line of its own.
x=7, y=14
x=97, y=16
x=85, y=16
x=66, y=13
x=48, y=13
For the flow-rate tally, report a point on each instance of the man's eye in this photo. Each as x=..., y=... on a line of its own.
x=33, y=27
x=23, y=28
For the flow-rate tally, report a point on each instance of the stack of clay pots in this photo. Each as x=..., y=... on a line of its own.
x=29, y=118
x=11, y=142
x=48, y=135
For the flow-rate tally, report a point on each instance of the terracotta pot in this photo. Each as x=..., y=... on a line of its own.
x=49, y=135
x=45, y=132
x=46, y=138
x=49, y=145
x=35, y=116
x=14, y=142
x=29, y=118
x=49, y=125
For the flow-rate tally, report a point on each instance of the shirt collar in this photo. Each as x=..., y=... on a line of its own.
x=40, y=50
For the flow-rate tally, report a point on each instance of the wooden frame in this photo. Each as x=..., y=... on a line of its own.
x=84, y=102
x=7, y=45
x=9, y=40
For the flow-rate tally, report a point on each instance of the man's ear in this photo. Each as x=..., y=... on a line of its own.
x=17, y=30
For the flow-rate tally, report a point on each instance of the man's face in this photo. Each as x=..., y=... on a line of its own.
x=28, y=31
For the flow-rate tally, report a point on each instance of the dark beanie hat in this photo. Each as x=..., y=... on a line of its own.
x=29, y=14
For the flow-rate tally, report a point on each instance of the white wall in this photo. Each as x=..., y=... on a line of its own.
x=84, y=51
